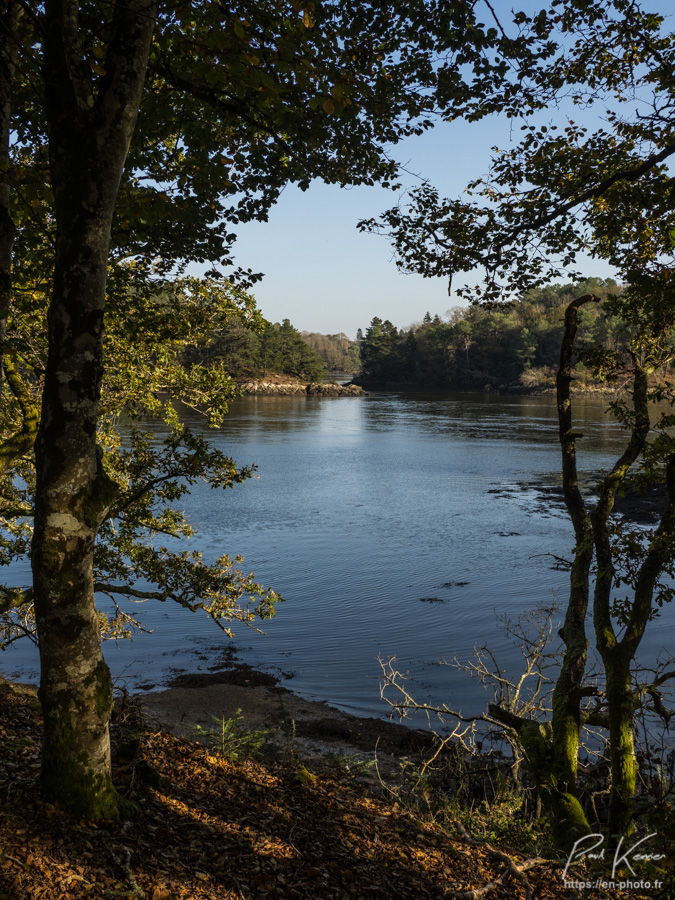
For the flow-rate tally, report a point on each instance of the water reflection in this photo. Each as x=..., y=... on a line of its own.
x=364, y=508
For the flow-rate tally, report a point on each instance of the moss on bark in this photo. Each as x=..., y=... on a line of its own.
x=68, y=778
x=566, y=816
x=537, y=740
x=620, y=713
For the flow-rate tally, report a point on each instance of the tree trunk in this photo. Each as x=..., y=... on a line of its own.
x=618, y=655
x=566, y=705
x=552, y=750
x=620, y=713
x=72, y=497
x=90, y=127
x=567, y=819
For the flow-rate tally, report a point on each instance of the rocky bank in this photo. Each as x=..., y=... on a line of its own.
x=287, y=388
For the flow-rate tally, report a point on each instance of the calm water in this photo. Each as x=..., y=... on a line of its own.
x=362, y=507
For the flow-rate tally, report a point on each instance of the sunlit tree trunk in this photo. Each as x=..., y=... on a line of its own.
x=620, y=714
x=89, y=134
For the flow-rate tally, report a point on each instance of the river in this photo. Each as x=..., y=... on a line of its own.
x=364, y=508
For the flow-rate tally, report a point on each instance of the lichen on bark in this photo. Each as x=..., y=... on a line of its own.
x=75, y=739
x=88, y=146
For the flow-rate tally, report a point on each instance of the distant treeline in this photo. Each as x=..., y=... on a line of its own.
x=475, y=347
x=470, y=347
x=277, y=349
x=338, y=352
x=280, y=349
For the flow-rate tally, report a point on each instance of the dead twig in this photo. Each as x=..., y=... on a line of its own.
x=513, y=869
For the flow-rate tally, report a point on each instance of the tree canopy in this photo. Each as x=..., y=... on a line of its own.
x=276, y=348
x=565, y=188
x=338, y=352
x=133, y=135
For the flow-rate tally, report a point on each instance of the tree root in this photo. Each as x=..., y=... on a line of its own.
x=133, y=892
x=513, y=869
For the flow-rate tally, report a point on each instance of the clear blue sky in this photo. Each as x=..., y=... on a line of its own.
x=324, y=275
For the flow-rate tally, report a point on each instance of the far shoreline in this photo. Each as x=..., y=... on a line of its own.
x=406, y=387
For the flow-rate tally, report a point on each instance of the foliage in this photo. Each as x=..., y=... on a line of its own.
x=230, y=739
x=380, y=350
x=507, y=822
x=336, y=350
x=352, y=765
x=146, y=379
x=563, y=189
x=236, y=106
x=475, y=790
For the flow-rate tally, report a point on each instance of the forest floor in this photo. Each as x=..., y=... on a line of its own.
x=218, y=826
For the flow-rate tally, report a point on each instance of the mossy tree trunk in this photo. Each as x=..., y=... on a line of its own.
x=620, y=713
x=567, y=694
x=89, y=131
x=618, y=654
x=566, y=816
x=552, y=749
x=593, y=534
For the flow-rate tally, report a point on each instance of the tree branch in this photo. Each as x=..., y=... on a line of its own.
x=604, y=581
x=662, y=549
x=228, y=106
x=20, y=443
x=13, y=598
x=601, y=188
x=129, y=591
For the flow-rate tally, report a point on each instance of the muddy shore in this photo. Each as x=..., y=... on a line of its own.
x=311, y=729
